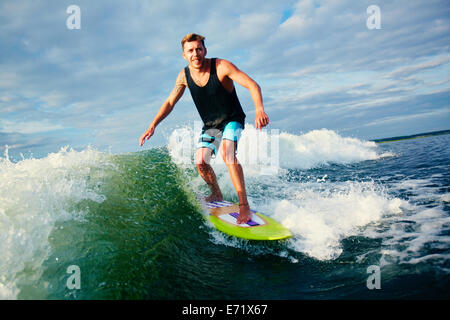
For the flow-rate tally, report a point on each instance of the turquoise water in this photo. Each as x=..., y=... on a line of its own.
x=131, y=223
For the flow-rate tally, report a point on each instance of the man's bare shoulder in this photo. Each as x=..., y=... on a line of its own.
x=223, y=63
x=181, y=78
x=225, y=67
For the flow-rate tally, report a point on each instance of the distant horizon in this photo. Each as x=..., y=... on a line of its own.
x=17, y=155
x=430, y=133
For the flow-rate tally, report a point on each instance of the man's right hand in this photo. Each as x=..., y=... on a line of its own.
x=146, y=135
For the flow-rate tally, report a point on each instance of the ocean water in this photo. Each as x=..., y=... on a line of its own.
x=132, y=227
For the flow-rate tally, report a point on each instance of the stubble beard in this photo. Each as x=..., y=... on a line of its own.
x=203, y=61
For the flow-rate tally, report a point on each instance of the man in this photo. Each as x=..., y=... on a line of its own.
x=211, y=83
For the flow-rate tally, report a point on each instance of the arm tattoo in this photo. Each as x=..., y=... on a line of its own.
x=181, y=82
x=177, y=90
x=178, y=87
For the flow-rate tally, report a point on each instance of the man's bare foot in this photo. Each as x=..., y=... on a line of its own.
x=244, y=213
x=214, y=197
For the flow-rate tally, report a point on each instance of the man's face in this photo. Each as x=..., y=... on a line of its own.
x=194, y=53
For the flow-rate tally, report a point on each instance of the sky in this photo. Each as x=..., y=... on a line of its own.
x=320, y=64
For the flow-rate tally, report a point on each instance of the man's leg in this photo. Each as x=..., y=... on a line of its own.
x=202, y=159
x=237, y=177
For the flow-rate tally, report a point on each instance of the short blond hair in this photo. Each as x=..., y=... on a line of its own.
x=192, y=37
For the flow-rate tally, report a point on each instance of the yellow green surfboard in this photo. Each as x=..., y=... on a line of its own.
x=223, y=215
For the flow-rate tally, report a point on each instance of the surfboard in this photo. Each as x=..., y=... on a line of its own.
x=223, y=215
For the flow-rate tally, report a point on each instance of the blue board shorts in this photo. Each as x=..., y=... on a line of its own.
x=211, y=138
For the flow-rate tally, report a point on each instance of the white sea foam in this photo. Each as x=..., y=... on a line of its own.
x=321, y=218
x=420, y=225
x=320, y=213
x=445, y=197
x=262, y=151
x=319, y=147
x=34, y=194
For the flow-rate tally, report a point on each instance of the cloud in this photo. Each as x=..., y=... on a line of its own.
x=30, y=127
x=408, y=70
x=402, y=118
x=315, y=60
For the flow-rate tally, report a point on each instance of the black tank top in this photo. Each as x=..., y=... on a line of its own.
x=214, y=103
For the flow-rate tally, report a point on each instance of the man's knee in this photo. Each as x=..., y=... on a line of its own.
x=229, y=152
x=203, y=157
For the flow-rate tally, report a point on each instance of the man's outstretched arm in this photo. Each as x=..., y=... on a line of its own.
x=167, y=106
x=261, y=119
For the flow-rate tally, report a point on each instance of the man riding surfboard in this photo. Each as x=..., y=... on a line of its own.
x=211, y=83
